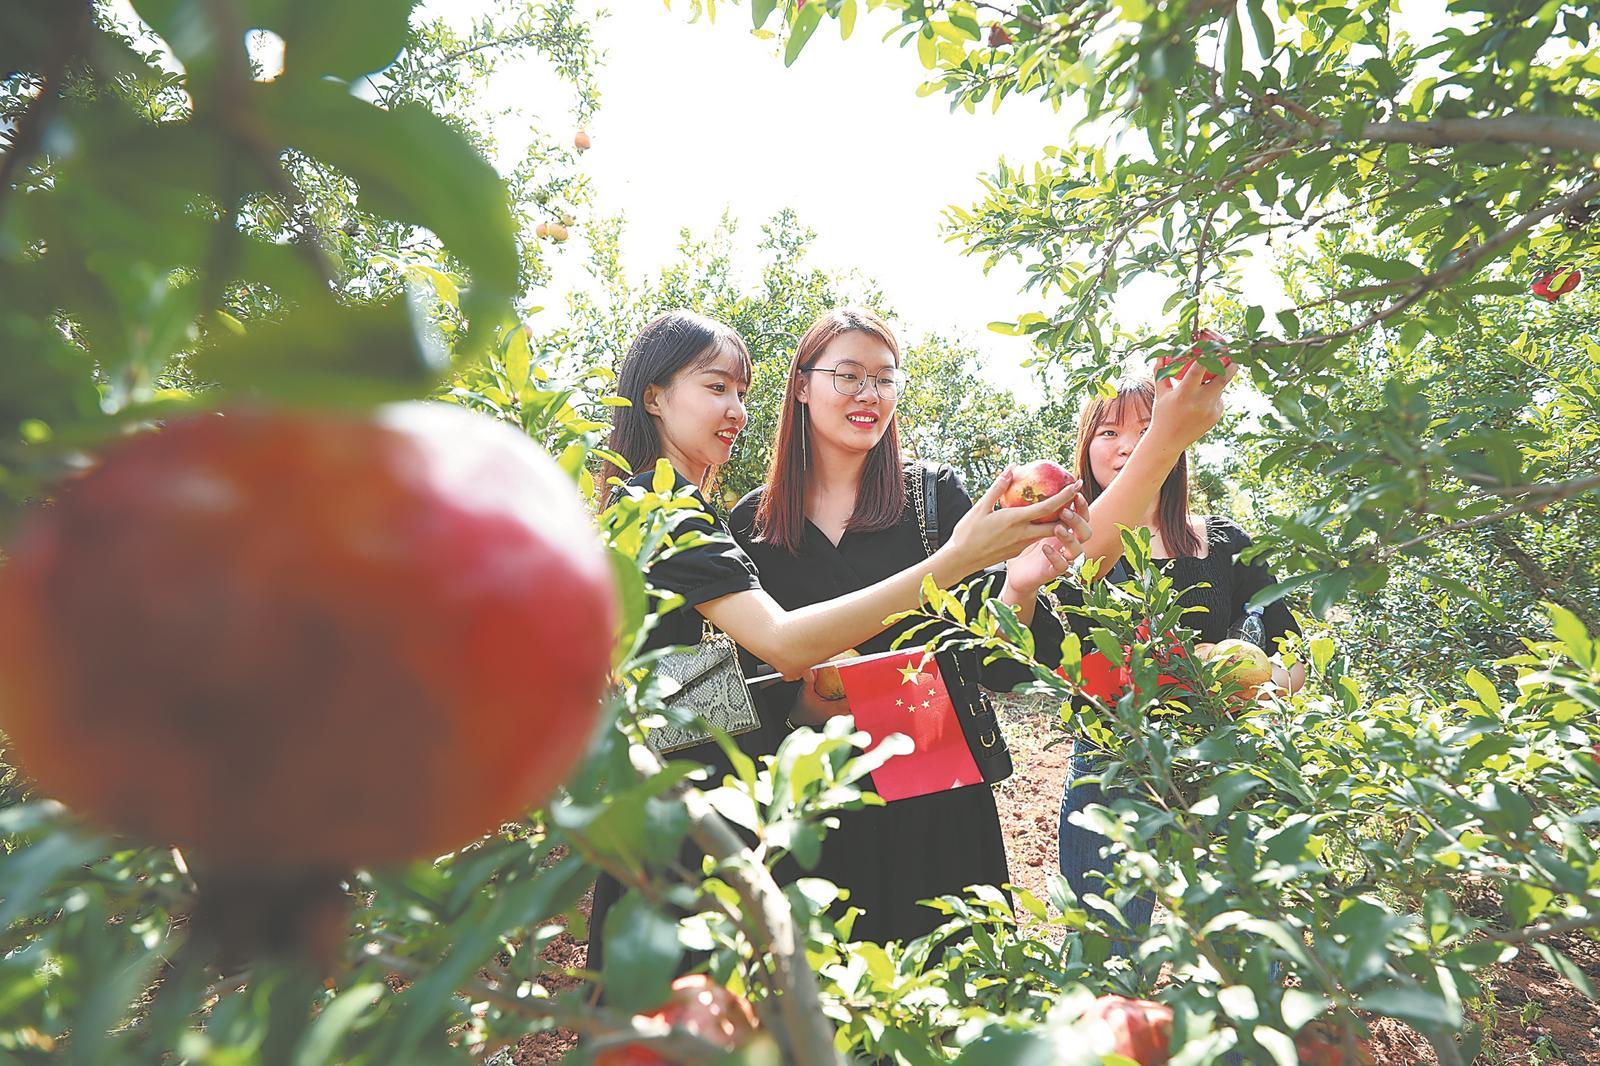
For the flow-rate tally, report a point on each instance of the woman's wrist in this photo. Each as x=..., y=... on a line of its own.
x=1017, y=592
x=950, y=563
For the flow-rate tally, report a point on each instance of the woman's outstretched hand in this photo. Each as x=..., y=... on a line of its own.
x=1187, y=407
x=1045, y=560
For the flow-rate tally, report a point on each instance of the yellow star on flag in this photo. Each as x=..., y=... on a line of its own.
x=909, y=675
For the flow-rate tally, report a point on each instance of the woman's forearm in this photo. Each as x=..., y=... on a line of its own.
x=793, y=641
x=1023, y=603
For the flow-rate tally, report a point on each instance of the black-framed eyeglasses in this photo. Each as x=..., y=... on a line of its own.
x=850, y=379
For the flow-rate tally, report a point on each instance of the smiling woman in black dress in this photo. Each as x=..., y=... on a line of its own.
x=835, y=516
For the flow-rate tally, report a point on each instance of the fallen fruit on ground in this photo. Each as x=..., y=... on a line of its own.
x=295, y=641
x=1032, y=482
x=1136, y=1028
x=701, y=1006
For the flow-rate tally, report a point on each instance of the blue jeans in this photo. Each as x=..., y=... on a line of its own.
x=1082, y=852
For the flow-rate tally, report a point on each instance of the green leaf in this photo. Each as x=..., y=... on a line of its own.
x=635, y=604
x=664, y=478
x=1365, y=927
x=1525, y=902
x=1387, y=269
x=847, y=19
x=1566, y=968
x=641, y=956
x=1262, y=25
x=760, y=11
x=320, y=1044
x=1484, y=688
x=346, y=39
x=359, y=355
x=1411, y=1003
x=1321, y=649
x=1233, y=52
x=805, y=24
x=1300, y=1007
x=411, y=167
x=1571, y=632
x=1225, y=792
x=27, y=874
x=1000, y=1046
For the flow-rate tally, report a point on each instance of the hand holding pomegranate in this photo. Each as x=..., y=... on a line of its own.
x=986, y=536
x=1240, y=662
x=1187, y=406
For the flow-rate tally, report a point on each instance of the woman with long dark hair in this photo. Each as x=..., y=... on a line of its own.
x=834, y=516
x=1200, y=553
x=685, y=378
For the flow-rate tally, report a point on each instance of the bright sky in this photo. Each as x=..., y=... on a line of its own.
x=697, y=118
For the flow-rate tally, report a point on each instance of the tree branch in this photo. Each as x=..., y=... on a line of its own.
x=1536, y=496
x=1466, y=263
x=1542, y=579
x=496, y=42
x=1541, y=131
x=809, y=1035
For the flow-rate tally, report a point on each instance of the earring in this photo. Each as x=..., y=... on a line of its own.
x=805, y=445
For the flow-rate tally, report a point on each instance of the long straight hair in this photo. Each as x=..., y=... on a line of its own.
x=676, y=341
x=1172, y=507
x=881, y=497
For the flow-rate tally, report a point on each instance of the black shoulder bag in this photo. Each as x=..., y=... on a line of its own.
x=974, y=707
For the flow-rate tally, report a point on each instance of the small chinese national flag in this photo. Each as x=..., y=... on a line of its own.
x=1108, y=681
x=902, y=692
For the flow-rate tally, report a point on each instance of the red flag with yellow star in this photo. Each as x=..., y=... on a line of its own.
x=902, y=692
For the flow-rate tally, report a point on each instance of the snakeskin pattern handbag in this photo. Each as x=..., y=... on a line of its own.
x=711, y=687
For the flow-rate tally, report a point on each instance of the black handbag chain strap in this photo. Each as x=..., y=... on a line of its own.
x=925, y=500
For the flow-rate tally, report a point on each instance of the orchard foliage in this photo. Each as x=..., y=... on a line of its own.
x=1453, y=162
x=189, y=221
x=162, y=191
x=1382, y=847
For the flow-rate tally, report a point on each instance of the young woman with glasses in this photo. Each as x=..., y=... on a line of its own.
x=835, y=516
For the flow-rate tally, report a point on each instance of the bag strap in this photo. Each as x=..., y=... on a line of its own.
x=925, y=501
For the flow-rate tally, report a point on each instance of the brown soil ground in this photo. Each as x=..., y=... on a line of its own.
x=1531, y=1016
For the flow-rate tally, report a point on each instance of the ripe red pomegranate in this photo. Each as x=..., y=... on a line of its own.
x=1033, y=482
x=1556, y=284
x=1204, y=336
x=699, y=1005
x=1136, y=1028
x=291, y=641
